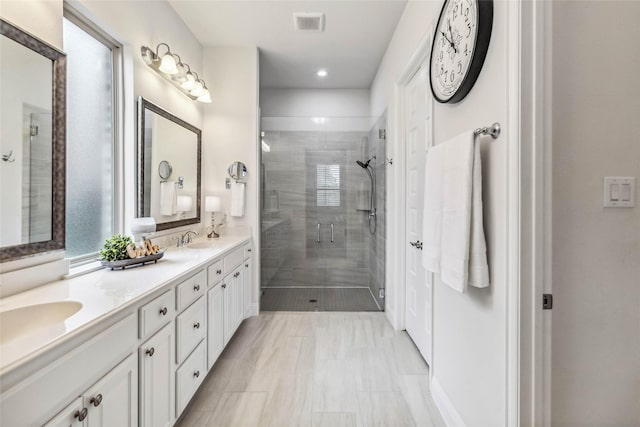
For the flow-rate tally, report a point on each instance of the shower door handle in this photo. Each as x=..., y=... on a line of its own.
x=331, y=233
x=318, y=238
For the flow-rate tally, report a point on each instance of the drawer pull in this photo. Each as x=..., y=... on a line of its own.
x=224, y=286
x=196, y=287
x=196, y=374
x=164, y=311
x=81, y=414
x=96, y=401
x=249, y=250
x=246, y=265
x=151, y=351
x=218, y=272
x=196, y=325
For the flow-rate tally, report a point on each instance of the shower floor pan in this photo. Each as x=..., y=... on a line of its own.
x=317, y=299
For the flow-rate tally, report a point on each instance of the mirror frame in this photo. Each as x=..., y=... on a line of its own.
x=58, y=144
x=145, y=104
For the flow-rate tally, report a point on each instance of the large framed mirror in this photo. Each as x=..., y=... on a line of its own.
x=169, y=162
x=32, y=145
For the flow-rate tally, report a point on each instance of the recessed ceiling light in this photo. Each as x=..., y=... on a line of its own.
x=322, y=73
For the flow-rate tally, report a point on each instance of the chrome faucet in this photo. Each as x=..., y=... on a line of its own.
x=186, y=238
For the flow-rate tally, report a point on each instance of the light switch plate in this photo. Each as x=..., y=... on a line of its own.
x=619, y=191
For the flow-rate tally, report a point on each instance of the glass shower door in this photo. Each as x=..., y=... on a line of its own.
x=316, y=244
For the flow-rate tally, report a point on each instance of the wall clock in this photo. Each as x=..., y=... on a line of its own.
x=459, y=47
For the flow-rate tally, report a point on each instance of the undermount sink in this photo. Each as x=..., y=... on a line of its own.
x=201, y=245
x=35, y=318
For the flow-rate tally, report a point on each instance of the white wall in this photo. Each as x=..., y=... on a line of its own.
x=314, y=102
x=146, y=23
x=596, y=250
x=41, y=18
x=230, y=132
x=469, y=359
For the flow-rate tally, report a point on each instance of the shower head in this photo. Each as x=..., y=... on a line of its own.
x=365, y=165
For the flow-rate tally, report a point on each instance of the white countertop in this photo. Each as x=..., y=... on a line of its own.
x=102, y=294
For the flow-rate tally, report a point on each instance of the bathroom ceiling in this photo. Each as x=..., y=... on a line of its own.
x=351, y=47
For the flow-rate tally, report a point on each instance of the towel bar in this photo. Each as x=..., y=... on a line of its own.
x=493, y=130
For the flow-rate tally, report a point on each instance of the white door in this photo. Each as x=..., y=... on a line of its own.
x=228, y=299
x=113, y=401
x=418, y=284
x=215, y=328
x=156, y=379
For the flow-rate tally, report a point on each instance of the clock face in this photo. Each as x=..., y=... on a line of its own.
x=454, y=45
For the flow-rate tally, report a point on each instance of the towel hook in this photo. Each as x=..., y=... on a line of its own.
x=493, y=130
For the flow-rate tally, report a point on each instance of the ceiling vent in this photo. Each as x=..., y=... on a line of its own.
x=308, y=22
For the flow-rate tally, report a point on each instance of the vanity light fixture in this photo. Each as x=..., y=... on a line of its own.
x=170, y=66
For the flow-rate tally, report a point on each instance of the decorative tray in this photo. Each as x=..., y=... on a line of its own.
x=124, y=263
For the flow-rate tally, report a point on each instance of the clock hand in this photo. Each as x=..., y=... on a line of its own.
x=446, y=38
x=451, y=34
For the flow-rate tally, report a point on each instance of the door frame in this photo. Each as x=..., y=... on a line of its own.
x=395, y=304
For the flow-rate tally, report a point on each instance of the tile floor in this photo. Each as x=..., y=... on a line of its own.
x=316, y=369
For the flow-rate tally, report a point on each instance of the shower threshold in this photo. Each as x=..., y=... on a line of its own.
x=318, y=298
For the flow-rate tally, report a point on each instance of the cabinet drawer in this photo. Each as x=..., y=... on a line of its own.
x=247, y=250
x=189, y=377
x=214, y=272
x=233, y=260
x=189, y=290
x=156, y=314
x=192, y=328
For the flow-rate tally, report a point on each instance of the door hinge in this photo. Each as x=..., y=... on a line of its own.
x=547, y=301
x=381, y=293
x=382, y=134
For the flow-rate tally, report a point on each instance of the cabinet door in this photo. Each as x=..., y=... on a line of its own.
x=228, y=302
x=239, y=302
x=71, y=416
x=246, y=287
x=215, y=325
x=156, y=379
x=112, y=401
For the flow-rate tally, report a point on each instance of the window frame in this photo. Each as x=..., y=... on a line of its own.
x=117, y=181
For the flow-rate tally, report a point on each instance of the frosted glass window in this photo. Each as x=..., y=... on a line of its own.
x=90, y=141
x=328, y=185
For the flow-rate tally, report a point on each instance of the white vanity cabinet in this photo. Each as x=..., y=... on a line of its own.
x=109, y=402
x=142, y=363
x=156, y=379
x=232, y=301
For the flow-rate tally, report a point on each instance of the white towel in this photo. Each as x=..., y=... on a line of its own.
x=168, y=199
x=456, y=210
x=432, y=211
x=453, y=202
x=478, y=267
x=237, y=199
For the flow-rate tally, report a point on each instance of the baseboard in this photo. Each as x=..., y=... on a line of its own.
x=446, y=407
x=252, y=310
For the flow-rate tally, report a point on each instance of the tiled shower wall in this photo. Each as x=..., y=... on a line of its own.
x=293, y=211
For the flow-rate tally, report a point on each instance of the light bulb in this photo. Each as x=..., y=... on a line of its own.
x=168, y=64
x=198, y=89
x=190, y=81
x=205, y=97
